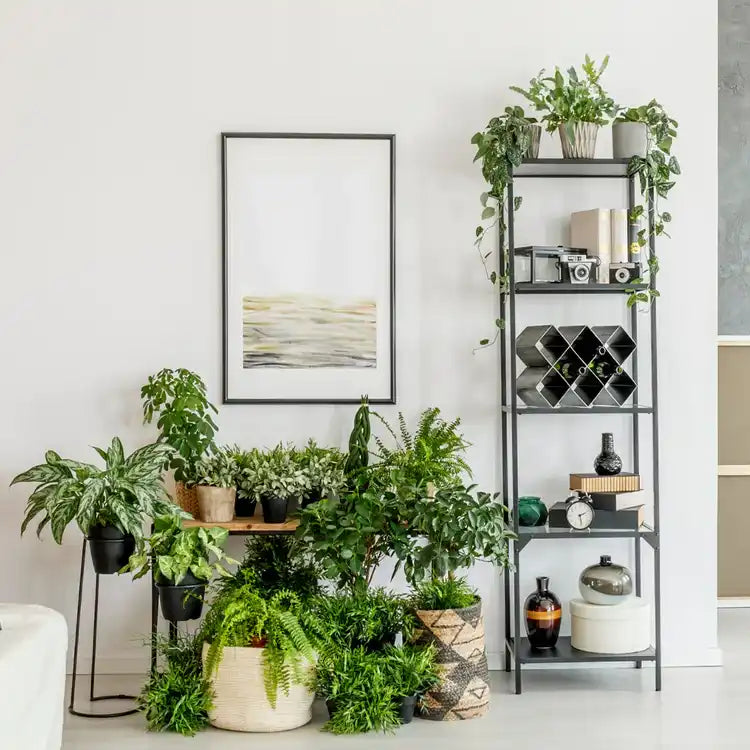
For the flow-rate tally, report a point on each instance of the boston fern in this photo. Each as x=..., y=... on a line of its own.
x=185, y=421
x=285, y=629
x=177, y=552
x=122, y=494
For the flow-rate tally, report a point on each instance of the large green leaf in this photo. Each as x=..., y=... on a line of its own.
x=41, y=473
x=36, y=504
x=115, y=454
x=62, y=509
x=90, y=499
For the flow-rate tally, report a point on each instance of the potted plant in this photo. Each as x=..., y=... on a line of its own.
x=177, y=698
x=216, y=486
x=185, y=422
x=412, y=671
x=576, y=105
x=458, y=527
x=247, y=463
x=324, y=469
x=184, y=561
x=638, y=130
x=280, y=479
x=259, y=653
x=108, y=504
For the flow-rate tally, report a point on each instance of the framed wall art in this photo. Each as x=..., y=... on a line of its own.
x=309, y=256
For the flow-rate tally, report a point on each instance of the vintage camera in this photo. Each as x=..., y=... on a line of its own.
x=577, y=269
x=624, y=273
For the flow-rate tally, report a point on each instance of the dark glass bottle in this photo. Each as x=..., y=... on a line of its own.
x=543, y=616
x=607, y=462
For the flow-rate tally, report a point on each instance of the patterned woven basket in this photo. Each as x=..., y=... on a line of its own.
x=187, y=498
x=458, y=635
x=240, y=702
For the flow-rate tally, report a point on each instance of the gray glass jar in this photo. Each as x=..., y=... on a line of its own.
x=606, y=583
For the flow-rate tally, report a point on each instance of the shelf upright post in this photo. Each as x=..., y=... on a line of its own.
x=514, y=435
x=655, y=439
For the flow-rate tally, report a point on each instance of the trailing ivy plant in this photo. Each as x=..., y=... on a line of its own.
x=185, y=421
x=176, y=551
x=501, y=146
x=656, y=171
x=122, y=494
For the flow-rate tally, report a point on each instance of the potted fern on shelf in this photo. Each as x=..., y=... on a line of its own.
x=259, y=653
x=109, y=505
x=216, y=485
x=184, y=561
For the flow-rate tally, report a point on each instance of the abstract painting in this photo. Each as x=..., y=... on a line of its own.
x=309, y=257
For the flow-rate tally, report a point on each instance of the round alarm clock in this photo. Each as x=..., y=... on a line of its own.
x=579, y=512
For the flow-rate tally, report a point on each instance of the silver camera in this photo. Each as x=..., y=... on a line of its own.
x=577, y=269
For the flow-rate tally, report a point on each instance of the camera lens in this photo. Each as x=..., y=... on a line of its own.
x=622, y=275
x=580, y=272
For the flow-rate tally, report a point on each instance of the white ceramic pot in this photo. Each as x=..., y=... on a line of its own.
x=629, y=139
x=240, y=701
x=215, y=504
x=619, y=629
x=583, y=145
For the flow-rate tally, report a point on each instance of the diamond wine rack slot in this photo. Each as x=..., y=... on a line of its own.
x=574, y=366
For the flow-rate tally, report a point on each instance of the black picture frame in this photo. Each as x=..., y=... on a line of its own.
x=391, y=138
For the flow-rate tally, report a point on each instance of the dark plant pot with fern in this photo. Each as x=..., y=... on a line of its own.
x=110, y=548
x=182, y=602
x=407, y=707
x=274, y=509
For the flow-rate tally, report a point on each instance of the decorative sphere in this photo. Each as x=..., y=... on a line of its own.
x=531, y=511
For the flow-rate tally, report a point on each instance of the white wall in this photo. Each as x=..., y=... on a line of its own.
x=110, y=237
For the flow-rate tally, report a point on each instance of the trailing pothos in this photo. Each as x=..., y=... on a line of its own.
x=656, y=171
x=501, y=146
x=122, y=494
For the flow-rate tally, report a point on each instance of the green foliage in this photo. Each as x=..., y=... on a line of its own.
x=359, y=441
x=459, y=527
x=443, y=593
x=218, y=468
x=501, y=146
x=177, y=552
x=349, y=536
x=575, y=98
x=323, y=467
x=122, y=494
x=365, y=687
x=656, y=174
x=287, y=631
x=433, y=454
x=185, y=421
x=178, y=698
x=366, y=617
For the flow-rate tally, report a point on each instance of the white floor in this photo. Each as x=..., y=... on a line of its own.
x=615, y=709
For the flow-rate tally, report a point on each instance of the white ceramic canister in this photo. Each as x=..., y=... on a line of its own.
x=615, y=629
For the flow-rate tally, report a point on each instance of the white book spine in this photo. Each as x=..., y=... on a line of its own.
x=592, y=230
x=619, y=220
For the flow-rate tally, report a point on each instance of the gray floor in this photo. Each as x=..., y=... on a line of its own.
x=598, y=708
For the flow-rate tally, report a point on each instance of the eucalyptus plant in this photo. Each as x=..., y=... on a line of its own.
x=122, y=494
x=185, y=419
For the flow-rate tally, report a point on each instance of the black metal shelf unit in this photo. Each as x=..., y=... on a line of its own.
x=517, y=649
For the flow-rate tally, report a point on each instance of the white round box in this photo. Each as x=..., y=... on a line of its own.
x=610, y=629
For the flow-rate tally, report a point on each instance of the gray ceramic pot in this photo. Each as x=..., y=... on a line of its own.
x=629, y=139
x=605, y=583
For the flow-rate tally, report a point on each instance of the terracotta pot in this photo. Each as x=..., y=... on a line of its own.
x=216, y=504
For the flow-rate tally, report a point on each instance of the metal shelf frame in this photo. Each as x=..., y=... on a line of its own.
x=517, y=649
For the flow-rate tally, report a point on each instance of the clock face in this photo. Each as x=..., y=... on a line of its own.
x=579, y=515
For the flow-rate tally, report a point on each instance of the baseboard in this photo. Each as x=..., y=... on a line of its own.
x=733, y=602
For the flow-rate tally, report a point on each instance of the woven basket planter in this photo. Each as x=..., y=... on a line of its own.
x=240, y=701
x=187, y=498
x=458, y=636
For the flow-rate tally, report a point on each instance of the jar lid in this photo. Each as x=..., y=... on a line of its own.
x=631, y=607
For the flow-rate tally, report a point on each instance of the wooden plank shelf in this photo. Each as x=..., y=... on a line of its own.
x=252, y=525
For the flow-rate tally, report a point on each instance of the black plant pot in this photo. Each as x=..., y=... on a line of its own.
x=331, y=706
x=274, y=509
x=110, y=548
x=184, y=601
x=244, y=507
x=407, y=706
x=378, y=644
x=311, y=497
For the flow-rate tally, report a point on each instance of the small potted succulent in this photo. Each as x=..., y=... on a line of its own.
x=184, y=561
x=109, y=505
x=185, y=420
x=215, y=477
x=280, y=479
x=576, y=105
x=324, y=469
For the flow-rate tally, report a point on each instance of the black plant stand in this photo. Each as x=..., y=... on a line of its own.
x=92, y=697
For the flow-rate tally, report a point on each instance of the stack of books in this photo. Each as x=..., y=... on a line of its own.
x=603, y=232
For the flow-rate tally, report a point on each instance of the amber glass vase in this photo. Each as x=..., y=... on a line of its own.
x=543, y=616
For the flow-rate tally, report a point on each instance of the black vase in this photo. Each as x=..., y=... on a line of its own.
x=407, y=706
x=274, y=509
x=110, y=548
x=183, y=601
x=607, y=462
x=543, y=616
x=244, y=507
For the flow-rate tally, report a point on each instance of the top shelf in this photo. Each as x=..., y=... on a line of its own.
x=612, y=168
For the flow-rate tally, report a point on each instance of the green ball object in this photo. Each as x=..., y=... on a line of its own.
x=531, y=511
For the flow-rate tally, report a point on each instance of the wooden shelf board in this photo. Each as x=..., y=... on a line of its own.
x=254, y=525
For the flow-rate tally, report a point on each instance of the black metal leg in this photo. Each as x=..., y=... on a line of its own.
x=172, y=631
x=76, y=638
x=638, y=664
x=154, y=618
